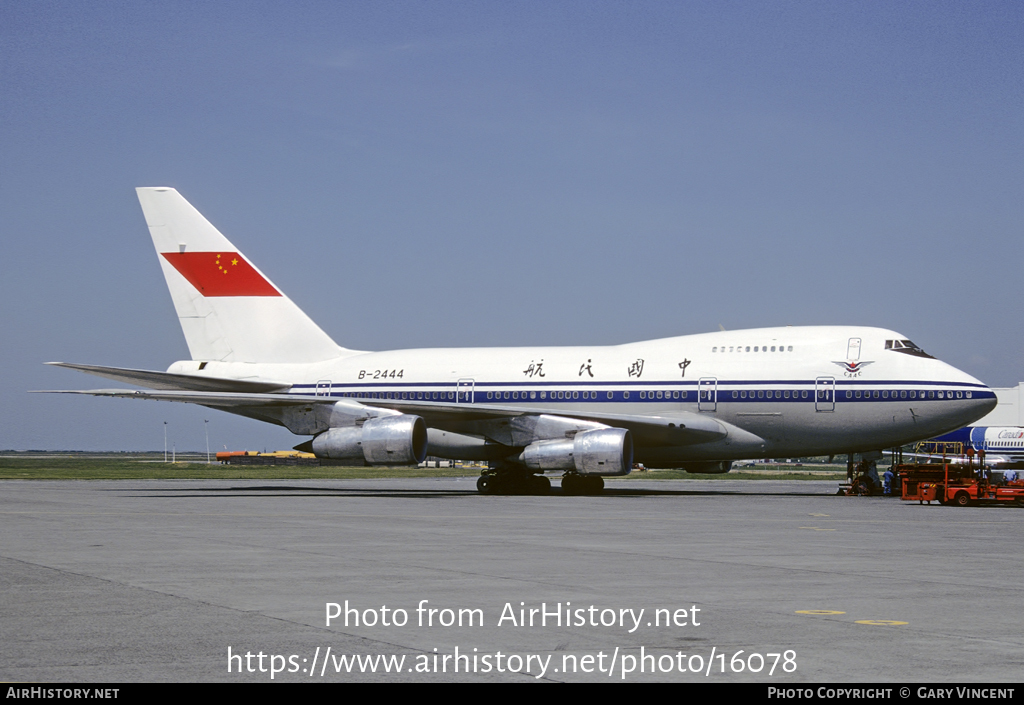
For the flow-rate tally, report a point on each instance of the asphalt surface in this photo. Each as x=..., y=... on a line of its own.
x=155, y=581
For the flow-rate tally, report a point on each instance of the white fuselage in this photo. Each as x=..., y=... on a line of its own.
x=795, y=391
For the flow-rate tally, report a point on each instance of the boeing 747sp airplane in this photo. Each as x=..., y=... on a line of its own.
x=696, y=402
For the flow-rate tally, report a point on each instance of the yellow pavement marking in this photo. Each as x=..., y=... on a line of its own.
x=819, y=612
x=881, y=622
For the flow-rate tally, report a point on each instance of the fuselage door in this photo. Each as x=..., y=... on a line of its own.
x=707, y=394
x=464, y=391
x=825, y=394
x=323, y=388
x=853, y=350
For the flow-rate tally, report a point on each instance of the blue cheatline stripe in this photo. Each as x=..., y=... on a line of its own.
x=839, y=382
x=725, y=394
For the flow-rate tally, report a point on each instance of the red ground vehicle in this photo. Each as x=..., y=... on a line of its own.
x=957, y=484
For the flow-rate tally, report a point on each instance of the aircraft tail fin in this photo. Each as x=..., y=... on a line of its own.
x=228, y=309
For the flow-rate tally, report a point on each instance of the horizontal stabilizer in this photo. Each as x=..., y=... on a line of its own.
x=166, y=380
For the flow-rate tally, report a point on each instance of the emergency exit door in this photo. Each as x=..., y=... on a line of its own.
x=707, y=394
x=825, y=394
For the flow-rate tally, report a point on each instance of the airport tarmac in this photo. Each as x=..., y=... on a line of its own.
x=122, y=581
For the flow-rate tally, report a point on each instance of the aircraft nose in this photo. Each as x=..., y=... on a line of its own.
x=982, y=402
x=977, y=401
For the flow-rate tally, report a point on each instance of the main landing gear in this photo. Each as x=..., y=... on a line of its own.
x=582, y=484
x=519, y=481
x=512, y=482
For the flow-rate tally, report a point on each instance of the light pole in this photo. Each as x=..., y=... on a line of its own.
x=206, y=425
x=165, y=441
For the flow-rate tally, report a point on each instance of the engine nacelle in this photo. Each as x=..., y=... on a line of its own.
x=716, y=467
x=385, y=440
x=605, y=451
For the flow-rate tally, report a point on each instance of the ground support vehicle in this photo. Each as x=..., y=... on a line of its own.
x=957, y=484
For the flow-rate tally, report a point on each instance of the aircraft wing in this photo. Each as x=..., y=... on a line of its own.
x=495, y=421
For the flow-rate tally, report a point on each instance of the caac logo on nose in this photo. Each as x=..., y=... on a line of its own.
x=852, y=369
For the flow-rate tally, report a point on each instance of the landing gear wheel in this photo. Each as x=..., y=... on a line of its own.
x=485, y=484
x=582, y=484
x=962, y=499
x=539, y=485
x=572, y=484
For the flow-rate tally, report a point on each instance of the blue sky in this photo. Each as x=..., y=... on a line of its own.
x=431, y=174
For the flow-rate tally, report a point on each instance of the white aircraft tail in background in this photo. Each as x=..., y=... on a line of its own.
x=697, y=402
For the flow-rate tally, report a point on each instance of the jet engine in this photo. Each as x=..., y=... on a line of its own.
x=605, y=451
x=385, y=440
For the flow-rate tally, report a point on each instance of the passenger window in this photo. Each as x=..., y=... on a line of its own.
x=625, y=395
x=611, y=395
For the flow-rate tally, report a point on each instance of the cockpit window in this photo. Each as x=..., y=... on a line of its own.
x=906, y=347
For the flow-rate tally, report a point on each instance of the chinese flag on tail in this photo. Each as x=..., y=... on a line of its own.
x=220, y=274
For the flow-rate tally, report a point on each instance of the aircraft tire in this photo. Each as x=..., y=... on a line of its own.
x=571, y=484
x=485, y=484
x=539, y=485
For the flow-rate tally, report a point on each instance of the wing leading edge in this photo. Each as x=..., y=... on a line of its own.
x=507, y=425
